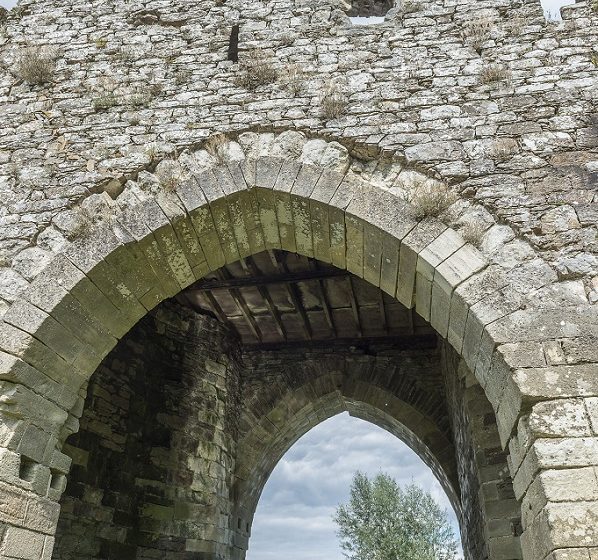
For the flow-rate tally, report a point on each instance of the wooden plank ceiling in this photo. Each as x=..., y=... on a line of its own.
x=279, y=297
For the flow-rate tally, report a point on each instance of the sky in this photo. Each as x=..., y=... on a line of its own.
x=294, y=515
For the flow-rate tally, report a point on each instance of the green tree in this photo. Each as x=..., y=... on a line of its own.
x=383, y=521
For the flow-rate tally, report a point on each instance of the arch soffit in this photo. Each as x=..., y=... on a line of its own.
x=92, y=293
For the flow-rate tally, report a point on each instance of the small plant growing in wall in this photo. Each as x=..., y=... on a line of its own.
x=104, y=102
x=473, y=233
x=215, y=145
x=477, y=31
x=35, y=65
x=255, y=70
x=295, y=79
x=409, y=7
x=429, y=198
x=495, y=74
x=594, y=6
x=333, y=101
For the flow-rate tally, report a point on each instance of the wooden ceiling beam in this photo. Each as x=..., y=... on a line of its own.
x=293, y=293
x=383, y=311
x=246, y=312
x=326, y=307
x=263, y=290
x=216, y=307
x=285, y=278
x=408, y=342
x=321, y=287
x=224, y=275
x=354, y=306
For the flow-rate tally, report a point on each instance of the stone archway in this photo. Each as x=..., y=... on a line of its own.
x=55, y=336
x=182, y=426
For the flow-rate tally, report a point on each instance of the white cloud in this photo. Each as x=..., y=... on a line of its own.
x=294, y=516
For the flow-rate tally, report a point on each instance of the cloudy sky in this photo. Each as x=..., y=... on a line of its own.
x=294, y=516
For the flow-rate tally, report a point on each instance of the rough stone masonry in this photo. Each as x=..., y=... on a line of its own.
x=447, y=156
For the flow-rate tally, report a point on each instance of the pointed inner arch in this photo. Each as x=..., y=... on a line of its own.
x=295, y=511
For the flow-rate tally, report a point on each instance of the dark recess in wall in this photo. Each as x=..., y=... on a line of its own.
x=233, y=44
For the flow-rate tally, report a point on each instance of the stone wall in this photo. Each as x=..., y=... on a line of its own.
x=153, y=459
x=491, y=524
x=484, y=95
x=104, y=213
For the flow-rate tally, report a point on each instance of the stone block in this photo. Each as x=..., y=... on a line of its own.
x=570, y=554
x=234, y=170
x=207, y=234
x=504, y=548
x=184, y=232
x=264, y=172
x=320, y=230
x=46, y=329
x=42, y=515
x=250, y=209
x=13, y=503
x=561, y=526
x=534, y=384
x=23, y=544
x=236, y=205
x=35, y=443
x=559, y=418
x=20, y=402
x=286, y=226
x=457, y=268
x=18, y=343
x=592, y=408
x=266, y=207
x=345, y=192
x=9, y=463
x=338, y=238
x=326, y=186
x=562, y=485
x=554, y=454
x=438, y=251
x=209, y=185
x=302, y=221
x=48, y=548
x=190, y=194
x=285, y=177
x=355, y=251
x=413, y=243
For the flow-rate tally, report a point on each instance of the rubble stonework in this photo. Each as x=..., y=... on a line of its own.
x=137, y=155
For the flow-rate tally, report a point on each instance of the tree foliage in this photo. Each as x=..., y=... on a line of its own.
x=383, y=521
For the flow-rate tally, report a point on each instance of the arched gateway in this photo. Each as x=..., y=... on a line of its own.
x=186, y=405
